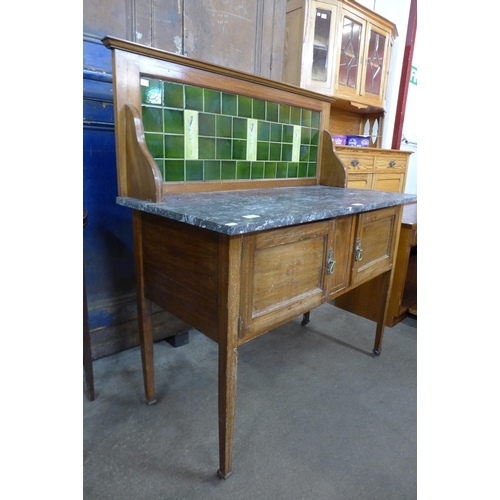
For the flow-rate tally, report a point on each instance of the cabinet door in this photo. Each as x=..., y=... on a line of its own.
x=351, y=40
x=374, y=242
x=359, y=181
x=284, y=275
x=319, y=53
x=392, y=182
x=375, y=67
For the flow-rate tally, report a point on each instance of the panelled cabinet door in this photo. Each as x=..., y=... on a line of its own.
x=393, y=182
x=374, y=242
x=319, y=53
x=360, y=181
x=350, y=51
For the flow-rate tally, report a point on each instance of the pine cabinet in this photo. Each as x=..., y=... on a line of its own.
x=339, y=48
x=374, y=168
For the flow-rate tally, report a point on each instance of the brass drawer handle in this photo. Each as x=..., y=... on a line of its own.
x=354, y=163
x=358, y=251
x=392, y=163
x=330, y=262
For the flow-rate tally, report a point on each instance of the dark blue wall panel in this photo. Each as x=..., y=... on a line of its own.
x=107, y=238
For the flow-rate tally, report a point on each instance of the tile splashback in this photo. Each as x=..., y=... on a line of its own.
x=199, y=134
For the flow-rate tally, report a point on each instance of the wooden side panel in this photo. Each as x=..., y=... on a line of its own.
x=287, y=268
x=181, y=271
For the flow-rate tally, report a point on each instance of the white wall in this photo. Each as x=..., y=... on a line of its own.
x=398, y=11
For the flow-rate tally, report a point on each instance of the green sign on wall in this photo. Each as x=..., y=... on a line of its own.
x=413, y=75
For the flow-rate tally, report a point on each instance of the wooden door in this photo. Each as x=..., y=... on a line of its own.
x=374, y=243
x=284, y=275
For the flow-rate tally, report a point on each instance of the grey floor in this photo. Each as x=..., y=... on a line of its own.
x=317, y=417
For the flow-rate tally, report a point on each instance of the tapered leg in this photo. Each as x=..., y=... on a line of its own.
x=228, y=360
x=144, y=312
x=385, y=281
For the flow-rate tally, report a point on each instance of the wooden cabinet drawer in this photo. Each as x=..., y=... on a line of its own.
x=391, y=162
x=357, y=162
x=374, y=243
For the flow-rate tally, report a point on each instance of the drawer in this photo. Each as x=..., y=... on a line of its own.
x=391, y=162
x=357, y=162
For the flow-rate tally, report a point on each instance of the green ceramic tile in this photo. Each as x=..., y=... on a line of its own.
x=314, y=137
x=304, y=153
x=245, y=106
x=173, y=121
x=239, y=128
x=305, y=136
x=281, y=170
x=313, y=153
x=161, y=165
x=155, y=144
x=152, y=119
x=284, y=113
x=229, y=105
x=206, y=124
x=276, y=132
x=272, y=111
x=311, y=170
x=194, y=170
x=270, y=170
x=286, y=152
x=287, y=133
x=295, y=115
x=224, y=127
x=259, y=109
x=262, y=151
x=315, y=119
x=263, y=129
x=306, y=117
x=212, y=101
x=223, y=149
x=174, y=170
x=302, y=170
x=275, y=151
x=194, y=97
x=228, y=170
x=206, y=148
x=239, y=149
x=257, y=170
x=174, y=146
x=293, y=169
x=151, y=91
x=173, y=95
x=212, y=171
x=243, y=170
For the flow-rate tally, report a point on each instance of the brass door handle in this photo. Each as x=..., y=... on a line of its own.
x=330, y=262
x=358, y=251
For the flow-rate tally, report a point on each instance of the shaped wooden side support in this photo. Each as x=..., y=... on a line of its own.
x=333, y=171
x=144, y=180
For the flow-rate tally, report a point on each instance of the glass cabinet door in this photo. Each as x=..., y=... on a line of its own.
x=322, y=31
x=375, y=63
x=350, y=51
x=321, y=45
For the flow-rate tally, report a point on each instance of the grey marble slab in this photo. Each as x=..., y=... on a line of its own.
x=249, y=210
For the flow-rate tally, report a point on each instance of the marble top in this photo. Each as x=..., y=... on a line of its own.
x=249, y=210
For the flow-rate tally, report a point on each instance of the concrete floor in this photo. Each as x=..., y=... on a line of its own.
x=317, y=417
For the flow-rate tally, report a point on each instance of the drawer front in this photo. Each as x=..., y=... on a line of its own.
x=391, y=163
x=374, y=243
x=357, y=162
